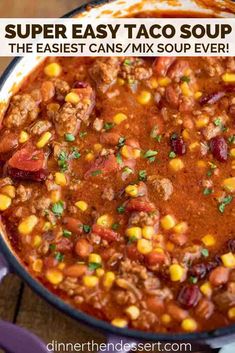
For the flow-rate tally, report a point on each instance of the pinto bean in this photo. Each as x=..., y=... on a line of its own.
x=179, y=239
x=110, y=138
x=177, y=70
x=204, y=308
x=140, y=205
x=104, y=233
x=47, y=90
x=219, y=276
x=161, y=65
x=155, y=258
x=155, y=304
x=176, y=312
x=8, y=142
x=75, y=270
x=73, y=225
x=83, y=248
x=172, y=95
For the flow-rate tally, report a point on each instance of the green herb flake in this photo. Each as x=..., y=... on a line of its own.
x=115, y=226
x=226, y=201
x=172, y=155
x=92, y=266
x=67, y=233
x=127, y=62
x=128, y=170
x=185, y=79
x=150, y=153
x=207, y=191
x=217, y=122
x=121, y=209
x=52, y=247
x=69, y=137
x=96, y=172
x=121, y=141
x=82, y=134
x=59, y=256
x=158, y=138
x=142, y=175
x=86, y=228
x=231, y=139
x=63, y=161
x=205, y=252
x=108, y=126
x=75, y=153
x=193, y=279
x=132, y=240
x=58, y=208
x=119, y=159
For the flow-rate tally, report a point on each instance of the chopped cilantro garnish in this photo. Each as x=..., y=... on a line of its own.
x=127, y=62
x=69, y=137
x=172, y=154
x=193, y=279
x=92, y=266
x=96, y=172
x=67, y=233
x=158, y=138
x=115, y=226
x=128, y=170
x=86, y=228
x=82, y=134
x=121, y=209
x=58, y=208
x=205, y=252
x=150, y=154
x=207, y=191
x=226, y=201
x=142, y=175
x=63, y=161
x=75, y=154
x=59, y=256
x=231, y=139
x=52, y=247
x=121, y=141
x=217, y=122
x=185, y=79
x=108, y=126
x=132, y=240
x=119, y=158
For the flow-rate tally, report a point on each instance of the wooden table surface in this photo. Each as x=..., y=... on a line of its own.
x=18, y=303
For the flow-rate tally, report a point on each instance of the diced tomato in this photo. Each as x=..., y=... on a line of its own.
x=103, y=165
x=133, y=253
x=140, y=205
x=28, y=158
x=161, y=65
x=104, y=233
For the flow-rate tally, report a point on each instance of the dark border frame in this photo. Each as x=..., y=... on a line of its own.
x=200, y=338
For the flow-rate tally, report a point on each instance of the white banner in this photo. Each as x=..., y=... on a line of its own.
x=118, y=37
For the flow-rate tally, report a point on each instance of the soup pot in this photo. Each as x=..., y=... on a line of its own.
x=16, y=340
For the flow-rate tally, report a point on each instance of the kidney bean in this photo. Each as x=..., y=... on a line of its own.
x=219, y=148
x=80, y=84
x=178, y=314
x=83, y=248
x=178, y=145
x=198, y=270
x=189, y=296
x=39, y=175
x=104, y=233
x=75, y=270
x=73, y=225
x=219, y=276
x=212, y=98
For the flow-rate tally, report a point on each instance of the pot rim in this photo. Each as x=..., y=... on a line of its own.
x=78, y=315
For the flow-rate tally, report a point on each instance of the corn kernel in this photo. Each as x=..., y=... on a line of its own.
x=159, y=250
x=24, y=136
x=119, y=118
x=82, y=205
x=185, y=134
x=193, y=146
x=201, y=164
x=144, y=246
x=89, y=156
x=37, y=265
x=37, y=241
x=136, y=153
x=153, y=83
x=72, y=98
x=176, y=164
x=229, y=184
x=97, y=147
x=148, y=232
x=109, y=279
x=232, y=152
x=206, y=289
x=47, y=226
x=105, y=221
x=9, y=190
x=90, y=281
x=228, y=260
x=133, y=312
x=181, y=227
x=208, y=240
x=120, y=81
x=166, y=319
x=132, y=190
x=134, y=232
x=202, y=121
x=233, y=164
x=55, y=195
x=61, y=266
x=176, y=272
x=189, y=325
x=99, y=272
x=164, y=81
x=197, y=94
x=185, y=89
x=130, y=152
x=5, y=202
x=168, y=222
x=27, y=225
x=53, y=70
x=54, y=276
x=144, y=97
x=231, y=313
x=60, y=179
x=44, y=139
x=94, y=258
x=119, y=322
x=228, y=77
x=170, y=246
